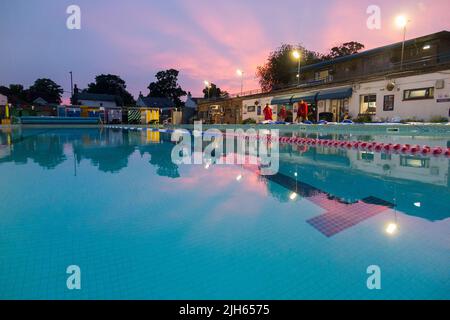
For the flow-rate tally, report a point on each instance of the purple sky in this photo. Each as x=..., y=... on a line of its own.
x=205, y=40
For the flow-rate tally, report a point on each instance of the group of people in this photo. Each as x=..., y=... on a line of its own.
x=302, y=113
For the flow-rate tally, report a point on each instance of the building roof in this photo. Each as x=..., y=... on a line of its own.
x=156, y=102
x=398, y=45
x=40, y=101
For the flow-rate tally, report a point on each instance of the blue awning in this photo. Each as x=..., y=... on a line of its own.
x=341, y=93
x=281, y=100
x=307, y=97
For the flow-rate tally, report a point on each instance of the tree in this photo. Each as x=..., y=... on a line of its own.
x=18, y=91
x=111, y=84
x=213, y=91
x=281, y=68
x=166, y=86
x=44, y=88
x=345, y=49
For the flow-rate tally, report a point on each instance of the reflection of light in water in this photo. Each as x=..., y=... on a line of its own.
x=418, y=204
x=391, y=228
x=295, y=174
x=293, y=196
x=239, y=177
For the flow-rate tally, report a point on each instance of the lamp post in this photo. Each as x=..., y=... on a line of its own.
x=240, y=73
x=401, y=22
x=71, y=83
x=296, y=54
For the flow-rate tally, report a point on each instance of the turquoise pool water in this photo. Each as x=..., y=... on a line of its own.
x=140, y=227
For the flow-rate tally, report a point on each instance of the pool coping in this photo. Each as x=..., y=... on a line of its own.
x=360, y=129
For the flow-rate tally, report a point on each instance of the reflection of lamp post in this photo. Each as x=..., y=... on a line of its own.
x=296, y=54
x=240, y=73
x=401, y=22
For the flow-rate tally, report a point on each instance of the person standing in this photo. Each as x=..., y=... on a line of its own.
x=282, y=115
x=302, y=112
x=267, y=113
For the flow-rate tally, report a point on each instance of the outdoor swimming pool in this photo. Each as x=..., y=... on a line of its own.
x=141, y=227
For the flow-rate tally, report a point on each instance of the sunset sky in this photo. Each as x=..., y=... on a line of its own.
x=205, y=40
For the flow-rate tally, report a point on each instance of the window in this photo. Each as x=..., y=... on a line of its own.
x=258, y=112
x=417, y=94
x=366, y=156
x=388, y=104
x=251, y=109
x=322, y=75
x=386, y=156
x=368, y=104
x=414, y=162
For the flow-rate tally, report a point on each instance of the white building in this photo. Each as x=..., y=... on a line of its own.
x=3, y=100
x=96, y=100
x=422, y=97
x=253, y=109
x=376, y=83
x=191, y=102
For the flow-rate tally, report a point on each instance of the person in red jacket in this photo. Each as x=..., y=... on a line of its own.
x=302, y=112
x=282, y=115
x=267, y=113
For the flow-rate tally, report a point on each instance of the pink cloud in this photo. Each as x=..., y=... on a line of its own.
x=211, y=41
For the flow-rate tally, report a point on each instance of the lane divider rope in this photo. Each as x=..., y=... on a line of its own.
x=355, y=145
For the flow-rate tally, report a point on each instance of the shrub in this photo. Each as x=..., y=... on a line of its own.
x=413, y=119
x=438, y=119
x=249, y=121
x=363, y=118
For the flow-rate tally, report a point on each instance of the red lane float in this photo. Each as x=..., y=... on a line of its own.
x=360, y=145
x=366, y=146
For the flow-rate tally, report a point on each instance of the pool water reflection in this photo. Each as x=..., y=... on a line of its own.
x=142, y=227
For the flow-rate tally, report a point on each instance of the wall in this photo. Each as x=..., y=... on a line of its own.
x=90, y=103
x=418, y=109
x=3, y=100
x=231, y=110
x=261, y=102
x=190, y=103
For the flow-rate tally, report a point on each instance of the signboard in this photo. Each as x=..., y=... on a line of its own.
x=443, y=98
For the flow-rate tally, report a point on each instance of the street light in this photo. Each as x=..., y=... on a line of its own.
x=240, y=73
x=401, y=22
x=71, y=83
x=296, y=54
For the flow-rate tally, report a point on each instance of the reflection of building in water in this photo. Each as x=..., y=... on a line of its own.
x=416, y=186
x=5, y=151
x=424, y=169
x=429, y=169
x=5, y=143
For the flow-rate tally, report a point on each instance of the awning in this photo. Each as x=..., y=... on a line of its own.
x=281, y=100
x=341, y=93
x=307, y=97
